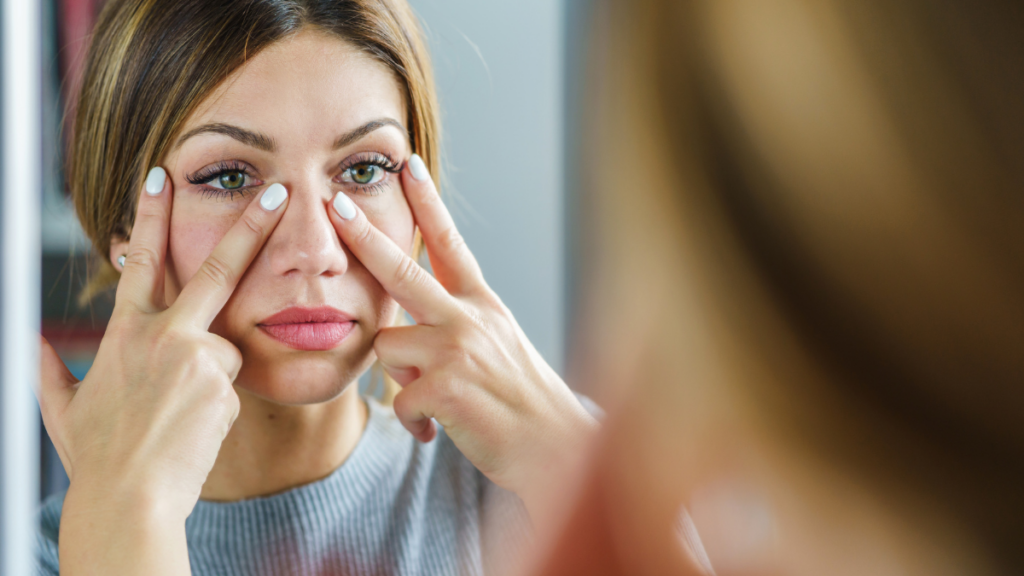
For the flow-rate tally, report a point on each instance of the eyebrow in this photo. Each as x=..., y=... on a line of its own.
x=354, y=135
x=247, y=137
x=267, y=144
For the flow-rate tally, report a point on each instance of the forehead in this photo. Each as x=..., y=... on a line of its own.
x=309, y=86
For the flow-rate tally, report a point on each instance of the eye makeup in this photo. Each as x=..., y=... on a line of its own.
x=368, y=172
x=225, y=179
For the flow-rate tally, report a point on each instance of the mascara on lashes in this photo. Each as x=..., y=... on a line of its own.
x=204, y=176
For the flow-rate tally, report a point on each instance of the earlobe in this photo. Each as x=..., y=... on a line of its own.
x=118, y=250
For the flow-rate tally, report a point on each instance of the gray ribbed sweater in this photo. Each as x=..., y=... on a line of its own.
x=395, y=506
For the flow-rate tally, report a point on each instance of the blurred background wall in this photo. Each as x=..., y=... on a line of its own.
x=500, y=68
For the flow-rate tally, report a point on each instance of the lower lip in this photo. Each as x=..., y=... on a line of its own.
x=310, y=335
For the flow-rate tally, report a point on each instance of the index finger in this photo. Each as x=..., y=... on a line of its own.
x=206, y=293
x=450, y=258
x=142, y=277
x=403, y=278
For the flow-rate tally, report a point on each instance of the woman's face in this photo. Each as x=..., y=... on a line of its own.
x=316, y=115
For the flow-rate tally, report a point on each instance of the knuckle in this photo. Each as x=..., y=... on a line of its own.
x=217, y=271
x=489, y=300
x=402, y=405
x=231, y=358
x=142, y=257
x=149, y=212
x=195, y=353
x=219, y=395
x=363, y=235
x=408, y=274
x=447, y=393
x=382, y=341
x=235, y=356
x=167, y=339
x=223, y=392
x=457, y=351
x=451, y=240
x=251, y=222
x=469, y=324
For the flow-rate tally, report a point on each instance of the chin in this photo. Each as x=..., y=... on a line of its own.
x=297, y=378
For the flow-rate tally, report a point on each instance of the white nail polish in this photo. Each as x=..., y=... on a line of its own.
x=418, y=168
x=120, y=261
x=273, y=197
x=344, y=207
x=155, y=181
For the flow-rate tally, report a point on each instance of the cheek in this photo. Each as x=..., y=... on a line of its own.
x=392, y=216
x=193, y=236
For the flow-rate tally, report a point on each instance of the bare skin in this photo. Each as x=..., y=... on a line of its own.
x=189, y=398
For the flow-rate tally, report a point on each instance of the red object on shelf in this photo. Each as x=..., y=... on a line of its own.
x=73, y=342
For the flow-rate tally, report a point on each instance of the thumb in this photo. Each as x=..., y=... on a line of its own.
x=56, y=383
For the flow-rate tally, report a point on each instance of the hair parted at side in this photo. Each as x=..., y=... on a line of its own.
x=152, y=62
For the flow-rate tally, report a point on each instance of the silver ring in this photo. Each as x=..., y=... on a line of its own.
x=120, y=261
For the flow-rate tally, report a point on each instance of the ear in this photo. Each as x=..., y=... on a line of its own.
x=118, y=248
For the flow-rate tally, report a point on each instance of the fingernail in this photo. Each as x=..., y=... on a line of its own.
x=344, y=207
x=418, y=168
x=273, y=197
x=155, y=181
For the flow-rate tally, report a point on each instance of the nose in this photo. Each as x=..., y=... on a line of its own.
x=305, y=241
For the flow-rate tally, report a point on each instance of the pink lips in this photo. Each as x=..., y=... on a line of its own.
x=319, y=328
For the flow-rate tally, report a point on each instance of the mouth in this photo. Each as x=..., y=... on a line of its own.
x=320, y=328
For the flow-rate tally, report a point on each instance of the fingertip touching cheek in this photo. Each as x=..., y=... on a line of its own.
x=271, y=123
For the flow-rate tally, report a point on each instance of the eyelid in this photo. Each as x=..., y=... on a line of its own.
x=382, y=159
x=207, y=173
x=203, y=177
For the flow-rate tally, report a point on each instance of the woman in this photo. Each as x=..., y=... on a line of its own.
x=814, y=258
x=257, y=173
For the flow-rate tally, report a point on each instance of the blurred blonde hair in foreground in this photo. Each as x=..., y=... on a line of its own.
x=803, y=282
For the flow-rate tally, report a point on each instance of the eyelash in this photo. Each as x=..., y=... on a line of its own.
x=206, y=175
x=209, y=174
x=379, y=159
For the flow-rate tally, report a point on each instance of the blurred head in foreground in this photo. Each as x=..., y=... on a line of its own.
x=804, y=223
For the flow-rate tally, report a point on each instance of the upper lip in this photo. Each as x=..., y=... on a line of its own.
x=300, y=315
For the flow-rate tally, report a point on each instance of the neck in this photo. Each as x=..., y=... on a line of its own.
x=272, y=447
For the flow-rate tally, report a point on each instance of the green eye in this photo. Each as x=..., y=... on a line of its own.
x=365, y=173
x=232, y=180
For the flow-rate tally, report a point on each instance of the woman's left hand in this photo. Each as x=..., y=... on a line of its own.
x=466, y=363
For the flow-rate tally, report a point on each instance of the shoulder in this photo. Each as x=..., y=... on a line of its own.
x=46, y=538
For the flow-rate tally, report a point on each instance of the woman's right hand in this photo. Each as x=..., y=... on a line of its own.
x=139, y=435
